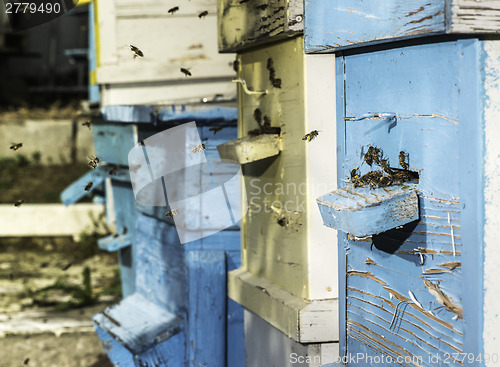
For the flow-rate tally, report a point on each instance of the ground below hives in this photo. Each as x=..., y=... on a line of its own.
x=48, y=327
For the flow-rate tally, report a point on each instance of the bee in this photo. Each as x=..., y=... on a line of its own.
x=115, y=235
x=203, y=14
x=199, y=148
x=185, y=71
x=87, y=123
x=89, y=186
x=402, y=159
x=371, y=178
x=67, y=267
x=173, y=10
x=257, y=115
x=236, y=65
x=216, y=129
x=142, y=142
x=267, y=123
x=172, y=213
x=113, y=170
x=310, y=136
x=26, y=361
x=19, y=202
x=385, y=181
x=276, y=83
x=282, y=222
x=15, y=146
x=354, y=175
x=136, y=51
x=384, y=163
x=270, y=64
x=373, y=154
x=93, y=161
x=125, y=230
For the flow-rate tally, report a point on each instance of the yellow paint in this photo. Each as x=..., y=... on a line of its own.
x=81, y=2
x=92, y=77
x=97, y=33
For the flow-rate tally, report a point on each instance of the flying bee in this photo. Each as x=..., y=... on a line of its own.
x=185, y=71
x=402, y=159
x=113, y=170
x=93, y=161
x=216, y=129
x=199, y=148
x=136, y=51
x=15, y=146
x=19, y=202
x=310, y=136
x=89, y=186
x=172, y=213
x=67, y=267
x=26, y=361
x=173, y=10
x=87, y=123
x=203, y=14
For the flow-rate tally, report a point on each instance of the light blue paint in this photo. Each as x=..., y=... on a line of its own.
x=113, y=141
x=129, y=114
x=114, y=242
x=364, y=212
x=76, y=191
x=207, y=307
x=434, y=91
x=336, y=24
x=198, y=114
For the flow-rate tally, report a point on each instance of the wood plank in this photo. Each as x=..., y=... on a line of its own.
x=299, y=319
x=47, y=219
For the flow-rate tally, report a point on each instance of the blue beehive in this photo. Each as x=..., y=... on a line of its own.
x=179, y=311
x=413, y=290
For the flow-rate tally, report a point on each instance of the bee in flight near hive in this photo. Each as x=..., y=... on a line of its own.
x=136, y=51
x=203, y=14
x=172, y=213
x=87, y=123
x=216, y=129
x=89, y=186
x=15, y=146
x=93, y=161
x=173, y=10
x=199, y=148
x=310, y=136
x=185, y=71
x=19, y=202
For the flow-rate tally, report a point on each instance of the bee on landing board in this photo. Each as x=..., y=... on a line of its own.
x=19, y=202
x=15, y=146
x=172, y=213
x=136, y=51
x=310, y=136
x=199, y=148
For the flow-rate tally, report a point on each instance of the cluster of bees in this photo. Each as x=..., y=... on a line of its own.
x=276, y=82
x=264, y=123
x=385, y=177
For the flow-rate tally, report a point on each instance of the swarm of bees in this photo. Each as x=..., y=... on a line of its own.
x=19, y=202
x=276, y=82
x=136, y=51
x=203, y=14
x=388, y=175
x=173, y=10
x=199, y=148
x=311, y=136
x=15, y=146
x=172, y=213
x=185, y=71
x=93, y=161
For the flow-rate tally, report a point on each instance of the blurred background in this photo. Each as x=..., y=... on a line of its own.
x=53, y=277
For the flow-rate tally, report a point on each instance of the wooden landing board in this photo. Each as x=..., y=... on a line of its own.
x=364, y=212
